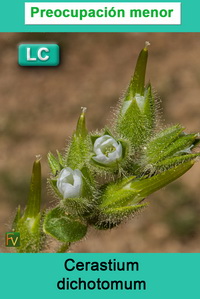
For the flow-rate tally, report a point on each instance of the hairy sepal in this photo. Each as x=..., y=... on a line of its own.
x=133, y=190
x=28, y=224
x=137, y=118
x=111, y=217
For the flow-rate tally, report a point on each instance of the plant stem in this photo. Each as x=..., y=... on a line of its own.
x=63, y=248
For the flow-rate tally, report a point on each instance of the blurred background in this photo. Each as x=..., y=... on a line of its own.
x=40, y=107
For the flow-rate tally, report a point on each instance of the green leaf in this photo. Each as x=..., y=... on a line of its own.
x=54, y=164
x=63, y=227
x=30, y=234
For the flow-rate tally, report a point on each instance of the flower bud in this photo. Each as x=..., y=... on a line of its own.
x=29, y=223
x=80, y=146
x=108, y=151
x=131, y=191
x=168, y=148
x=137, y=83
x=137, y=116
x=70, y=182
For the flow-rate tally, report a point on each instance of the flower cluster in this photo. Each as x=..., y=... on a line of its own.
x=103, y=178
x=133, y=155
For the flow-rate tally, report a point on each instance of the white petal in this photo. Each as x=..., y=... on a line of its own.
x=101, y=159
x=78, y=179
x=119, y=150
x=98, y=151
x=70, y=191
x=125, y=106
x=112, y=157
x=100, y=140
x=139, y=100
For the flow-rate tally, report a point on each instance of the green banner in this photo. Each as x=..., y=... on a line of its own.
x=13, y=16
x=100, y=275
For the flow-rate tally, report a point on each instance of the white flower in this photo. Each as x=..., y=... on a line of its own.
x=70, y=182
x=107, y=150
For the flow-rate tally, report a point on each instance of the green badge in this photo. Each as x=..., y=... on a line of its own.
x=12, y=239
x=38, y=55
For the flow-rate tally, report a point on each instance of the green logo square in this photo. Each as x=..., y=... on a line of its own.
x=12, y=239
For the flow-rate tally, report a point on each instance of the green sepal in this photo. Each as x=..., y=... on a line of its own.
x=111, y=217
x=81, y=129
x=106, y=131
x=130, y=125
x=54, y=164
x=60, y=159
x=29, y=223
x=122, y=212
x=30, y=234
x=138, y=80
x=171, y=162
x=181, y=145
x=125, y=149
x=94, y=137
x=137, y=119
x=197, y=141
x=146, y=186
x=115, y=195
x=79, y=152
x=88, y=183
x=80, y=147
x=53, y=184
x=131, y=191
x=78, y=207
x=155, y=149
x=16, y=219
x=63, y=226
x=149, y=112
x=34, y=199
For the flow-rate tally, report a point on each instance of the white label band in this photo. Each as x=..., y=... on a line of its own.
x=102, y=13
